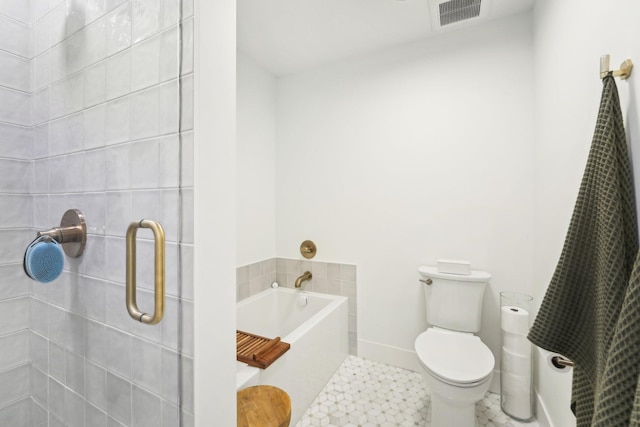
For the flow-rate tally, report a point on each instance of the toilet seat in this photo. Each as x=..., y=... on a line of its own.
x=456, y=358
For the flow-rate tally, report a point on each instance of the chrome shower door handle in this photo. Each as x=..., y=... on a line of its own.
x=132, y=305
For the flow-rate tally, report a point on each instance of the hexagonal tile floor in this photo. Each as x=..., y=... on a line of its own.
x=363, y=393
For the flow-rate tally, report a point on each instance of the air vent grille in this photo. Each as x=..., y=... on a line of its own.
x=458, y=10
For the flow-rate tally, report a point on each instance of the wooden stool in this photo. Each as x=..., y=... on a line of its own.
x=263, y=406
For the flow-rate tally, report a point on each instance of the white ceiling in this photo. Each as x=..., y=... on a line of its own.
x=286, y=36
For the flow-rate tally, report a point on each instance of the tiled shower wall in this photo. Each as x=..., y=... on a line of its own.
x=328, y=278
x=15, y=212
x=89, y=120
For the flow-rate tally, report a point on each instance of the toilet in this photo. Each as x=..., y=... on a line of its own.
x=457, y=366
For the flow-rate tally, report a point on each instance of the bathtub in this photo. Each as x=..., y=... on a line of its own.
x=318, y=334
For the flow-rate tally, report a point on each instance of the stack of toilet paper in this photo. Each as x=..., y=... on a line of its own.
x=515, y=376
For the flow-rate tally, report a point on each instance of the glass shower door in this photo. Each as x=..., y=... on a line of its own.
x=91, y=118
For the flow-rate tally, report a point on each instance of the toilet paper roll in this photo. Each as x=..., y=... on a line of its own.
x=518, y=405
x=514, y=320
x=517, y=344
x=516, y=364
x=514, y=384
x=553, y=366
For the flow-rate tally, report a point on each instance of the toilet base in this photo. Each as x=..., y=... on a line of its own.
x=454, y=406
x=444, y=414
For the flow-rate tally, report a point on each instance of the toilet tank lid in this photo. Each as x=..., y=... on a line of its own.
x=475, y=276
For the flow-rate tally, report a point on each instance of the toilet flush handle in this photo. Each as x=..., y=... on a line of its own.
x=427, y=281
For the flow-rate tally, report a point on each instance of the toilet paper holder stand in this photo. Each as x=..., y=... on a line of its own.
x=561, y=362
x=72, y=233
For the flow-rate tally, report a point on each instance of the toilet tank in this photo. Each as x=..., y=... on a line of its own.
x=454, y=301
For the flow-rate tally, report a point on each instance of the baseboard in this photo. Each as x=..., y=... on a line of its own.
x=390, y=355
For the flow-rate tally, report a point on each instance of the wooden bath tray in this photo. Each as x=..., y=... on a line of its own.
x=258, y=351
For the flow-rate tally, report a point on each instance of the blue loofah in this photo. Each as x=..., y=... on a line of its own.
x=44, y=260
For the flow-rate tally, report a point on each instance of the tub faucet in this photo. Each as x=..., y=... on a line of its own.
x=306, y=276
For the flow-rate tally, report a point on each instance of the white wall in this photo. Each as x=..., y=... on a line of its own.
x=255, y=166
x=569, y=40
x=396, y=159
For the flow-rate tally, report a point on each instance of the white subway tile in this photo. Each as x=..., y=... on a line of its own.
x=41, y=211
x=15, y=37
x=74, y=48
x=16, y=141
x=40, y=138
x=19, y=213
x=15, y=281
x=119, y=29
x=145, y=113
x=187, y=103
x=57, y=24
x=57, y=62
x=95, y=36
x=94, y=297
x=15, y=107
x=18, y=378
x=94, y=9
x=119, y=398
x=144, y=164
x=145, y=19
x=94, y=207
x=15, y=349
x=169, y=149
x=15, y=72
x=41, y=35
x=74, y=93
x=117, y=123
x=57, y=174
x=145, y=63
x=93, y=263
x=119, y=74
x=95, y=383
x=94, y=170
x=186, y=258
x=14, y=315
x=169, y=213
x=169, y=110
x=169, y=54
x=75, y=16
x=119, y=352
x=17, y=9
x=170, y=13
x=94, y=127
x=145, y=205
x=187, y=216
x=42, y=70
x=187, y=159
x=40, y=110
x=15, y=176
x=146, y=365
x=73, y=409
x=40, y=9
x=75, y=373
x=74, y=168
x=96, y=349
x=39, y=351
x=95, y=85
x=39, y=323
x=57, y=99
x=118, y=213
x=147, y=408
x=117, y=167
x=187, y=46
x=41, y=176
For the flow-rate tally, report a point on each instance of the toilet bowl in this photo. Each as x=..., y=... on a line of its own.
x=458, y=368
x=456, y=364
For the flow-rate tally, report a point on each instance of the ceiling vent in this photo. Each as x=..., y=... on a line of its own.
x=448, y=12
